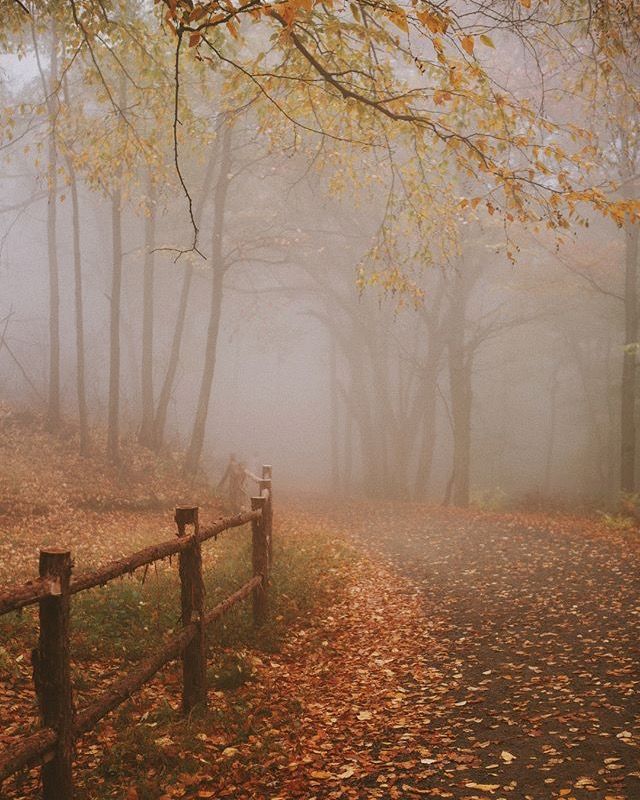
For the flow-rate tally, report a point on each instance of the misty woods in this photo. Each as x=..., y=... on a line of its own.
x=204, y=273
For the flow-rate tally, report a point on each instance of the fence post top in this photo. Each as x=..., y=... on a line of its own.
x=54, y=561
x=186, y=515
x=55, y=551
x=257, y=502
x=266, y=471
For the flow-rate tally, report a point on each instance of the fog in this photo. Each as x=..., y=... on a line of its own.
x=488, y=371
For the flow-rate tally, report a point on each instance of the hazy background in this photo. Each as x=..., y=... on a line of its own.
x=306, y=358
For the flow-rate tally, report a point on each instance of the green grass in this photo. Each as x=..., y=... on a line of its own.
x=115, y=626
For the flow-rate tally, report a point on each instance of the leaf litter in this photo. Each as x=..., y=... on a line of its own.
x=458, y=654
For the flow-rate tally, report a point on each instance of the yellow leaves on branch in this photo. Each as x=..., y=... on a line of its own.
x=290, y=10
x=467, y=43
x=433, y=21
x=399, y=18
x=441, y=96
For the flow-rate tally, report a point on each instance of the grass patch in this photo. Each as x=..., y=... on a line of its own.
x=115, y=626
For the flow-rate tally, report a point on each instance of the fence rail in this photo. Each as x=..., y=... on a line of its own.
x=54, y=742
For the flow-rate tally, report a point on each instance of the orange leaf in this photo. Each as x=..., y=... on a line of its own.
x=467, y=44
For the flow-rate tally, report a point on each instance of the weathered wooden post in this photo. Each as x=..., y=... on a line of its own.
x=194, y=656
x=237, y=479
x=265, y=491
x=267, y=476
x=260, y=557
x=52, y=673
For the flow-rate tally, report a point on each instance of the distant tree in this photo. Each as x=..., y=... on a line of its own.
x=50, y=88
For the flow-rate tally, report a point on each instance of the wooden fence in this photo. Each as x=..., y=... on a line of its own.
x=54, y=743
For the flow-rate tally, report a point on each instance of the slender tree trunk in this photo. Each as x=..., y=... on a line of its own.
x=629, y=362
x=436, y=341
x=334, y=401
x=369, y=439
x=348, y=451
x=160, y=418
x=383, y=414
x=461, y=398
x=425, y=456
x=54, y=288
x=194, y=451
x=146, y=427
x=113, y=430
x=83, y=416
x=460, y=365
x=50, y=89
x=553, y=415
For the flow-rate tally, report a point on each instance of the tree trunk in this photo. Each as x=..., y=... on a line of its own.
x=460, y=365
x=629, y=361
x=194, y=452
x=369, y=439
x=334, y=402
x=145, y=435
x=49, y=90
x=160, y=418
x=113, y=430
x=425, y=456
x=436, y=341
x=79, y=312
x=551, y=438
x=347, y=479
x=461, y=398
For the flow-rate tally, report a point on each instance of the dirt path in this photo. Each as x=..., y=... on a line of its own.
x=540, y=631
x=489, y=658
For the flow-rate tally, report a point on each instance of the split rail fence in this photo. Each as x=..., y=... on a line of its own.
x=53, y=745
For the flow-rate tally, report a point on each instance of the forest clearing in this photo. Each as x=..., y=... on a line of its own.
x=319, y=399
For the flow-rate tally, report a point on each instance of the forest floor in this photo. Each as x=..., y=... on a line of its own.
x=413, y=652
x=473, y=655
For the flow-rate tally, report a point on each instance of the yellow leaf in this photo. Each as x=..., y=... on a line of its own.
x=321, y=775
x=467, y=44
x=486, y=40
x=430, y=20
x=399, y=18
x=439, y=97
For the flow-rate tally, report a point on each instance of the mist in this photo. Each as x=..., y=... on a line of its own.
x=307, y=357
x=319, y=337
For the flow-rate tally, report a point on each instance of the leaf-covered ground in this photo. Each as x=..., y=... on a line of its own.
x=51, y=495
x=414, y=652
x=503, y=664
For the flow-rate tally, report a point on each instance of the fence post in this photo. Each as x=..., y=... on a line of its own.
x=52, y=673
x=194, y=656
x=260, y=558
x=265, y=485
